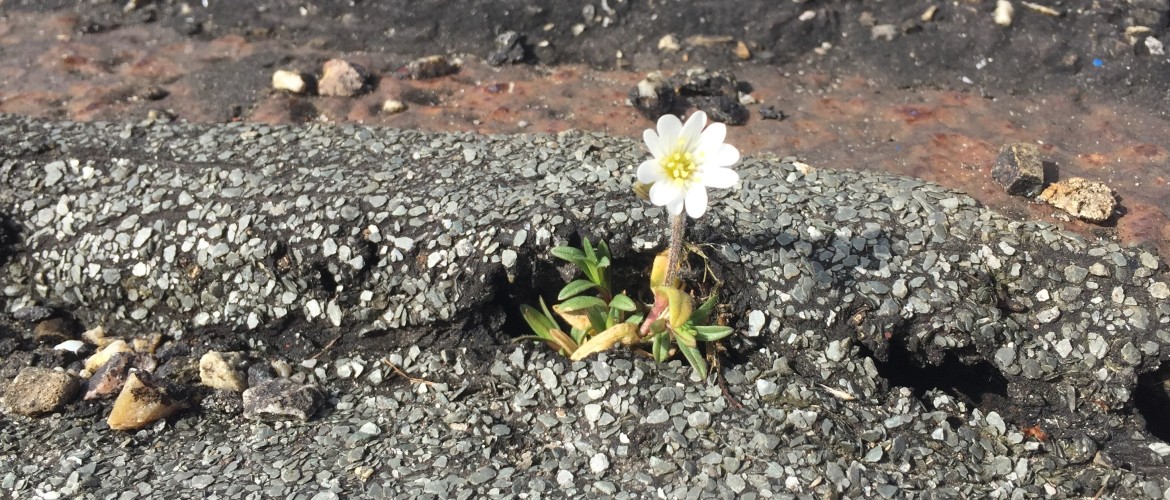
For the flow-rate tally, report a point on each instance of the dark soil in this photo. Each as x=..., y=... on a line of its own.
x=1085, y=49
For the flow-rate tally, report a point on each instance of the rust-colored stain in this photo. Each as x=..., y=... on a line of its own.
x=1035, y=432
x=1094, y=159
x=914, y=114
x=1147, y=150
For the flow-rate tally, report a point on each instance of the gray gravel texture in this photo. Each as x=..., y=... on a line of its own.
x=843, y=286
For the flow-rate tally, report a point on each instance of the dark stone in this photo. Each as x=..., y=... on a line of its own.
x=8, y=345
x=701, y=82
x=33, y=314
x=153, y=93
x=714, y=92
x=771, y=113
x=511, y=48
x=11, y=364
x=107, y=381
x=281, y=399
x=1019, y=170
x=181, y=369
x=172, y=350
x=259, y=373
x=723, y=109
x=428, y=67
x=654, y=96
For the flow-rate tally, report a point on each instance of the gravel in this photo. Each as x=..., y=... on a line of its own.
x=847, y=287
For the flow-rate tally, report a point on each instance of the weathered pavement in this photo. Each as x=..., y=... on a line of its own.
x=896, y=339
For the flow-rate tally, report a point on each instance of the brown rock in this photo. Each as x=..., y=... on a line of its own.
x=742, y=51
x=223, y=370
x=144, y=399
x=430, y=67
x=1019, y=170
x=340, y=78
x=53, y=331
x=1088, y=200
x=36, y=391
x=110, y=377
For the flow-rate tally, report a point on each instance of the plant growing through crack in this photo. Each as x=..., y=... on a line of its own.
x=686, y=160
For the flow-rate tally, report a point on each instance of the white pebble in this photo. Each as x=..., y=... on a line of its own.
x=1004, y=12
x=599, y=463
x=288, y=80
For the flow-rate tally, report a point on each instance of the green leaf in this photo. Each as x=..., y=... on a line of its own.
x=623, y=303
x=591, y=272
x=588, y=249
x=603, y=250
x=570, y=254
x=636, y=319
x=539, y=323
x=712, y=333
x=661, y=347
x=547, y=314
x=580, y=303
x=603, y=262
x=696, y=359
x=703, y=313
x=658, y=326
x=597, y=319
x=578, y=335
x=575, y=288
x=685, y=334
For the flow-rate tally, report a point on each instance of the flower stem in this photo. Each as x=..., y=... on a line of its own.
x=678, y=228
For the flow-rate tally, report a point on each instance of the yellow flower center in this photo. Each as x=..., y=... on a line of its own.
x=680, y=165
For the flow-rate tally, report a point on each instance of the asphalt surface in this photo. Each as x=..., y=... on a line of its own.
x=894, y=338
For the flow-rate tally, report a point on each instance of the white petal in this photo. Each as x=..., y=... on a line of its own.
x=653, y=143
x=650, y=171
x=725, y=156
x=666, y=193
x=675, y=207
x=712, y=138
x=696, y=201
x=669, y=127
x=689, y=137
x=720, y=178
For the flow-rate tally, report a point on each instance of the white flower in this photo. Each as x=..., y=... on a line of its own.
x=687, y=160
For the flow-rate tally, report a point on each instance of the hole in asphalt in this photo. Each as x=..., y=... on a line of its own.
x=978, y=385
x=1151, y=400
x=9, y=234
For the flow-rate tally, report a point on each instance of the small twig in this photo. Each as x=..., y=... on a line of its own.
x=731, y=401
x=328, y=345
x=678, y=227
x=1101, y=491
x=716, y=347
x=404, y=375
